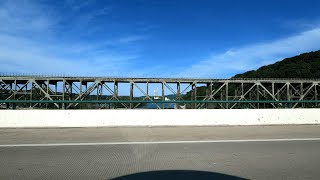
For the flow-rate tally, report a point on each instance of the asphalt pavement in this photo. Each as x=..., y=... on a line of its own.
x=252, y=152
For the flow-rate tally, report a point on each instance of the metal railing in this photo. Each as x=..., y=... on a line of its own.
x=60, y=75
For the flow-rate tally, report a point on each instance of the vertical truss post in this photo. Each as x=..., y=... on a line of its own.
x=210, y=93
x=47, y=92
x=131, y=94
x=258, y=94
x=63, y=92
x=242, y=90
x=315, y=95
x=178, y=90
x=211, y=89
x=272, y=88
x=273, y=92
x=14, y=94
x=11, y=90
x=80, y=92
x=70, y=87
x=227, y=95
x=288, y=94
x=80, y=88
x=115, y=90
x=178, y=95
x=48, y=82
x=162, y=94
x=100, y=93
x=147, y=89
x=98, y=89
x=264, y=95
x=26, y=90
x=222, y=95
x=86, y=88
x=288, y=91
x=208, y=87
x=56, y=88
x=31, y=95
x=301, y=93
x=194, y=94
x=15, y=89
x=98, y=85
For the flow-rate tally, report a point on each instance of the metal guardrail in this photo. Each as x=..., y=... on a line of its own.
x=143, y=101
x=9, y=74
x=58, y=75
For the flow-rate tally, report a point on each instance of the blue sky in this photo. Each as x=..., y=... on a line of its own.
x=141, y=38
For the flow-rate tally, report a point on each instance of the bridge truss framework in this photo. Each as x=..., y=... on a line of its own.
x=57, y=92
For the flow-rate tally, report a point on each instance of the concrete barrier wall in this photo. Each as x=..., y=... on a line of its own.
x=197, y=117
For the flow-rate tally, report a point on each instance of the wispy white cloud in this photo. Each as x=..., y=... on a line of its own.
x=22, y=16
x=131, y=39
x=25, y=56
x=237, y=60
x=29, y=43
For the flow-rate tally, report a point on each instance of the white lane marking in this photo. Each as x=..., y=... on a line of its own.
x=160, y=142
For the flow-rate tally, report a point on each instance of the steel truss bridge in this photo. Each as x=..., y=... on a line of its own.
x=66, y=92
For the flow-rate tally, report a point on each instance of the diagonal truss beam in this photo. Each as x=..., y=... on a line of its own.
x=145, y=94
x=114, y=95
x=211, y=96
x=16, y=91
x=44, y=92
x=305, y=94
x=243, y=96
x=85, y=93
x=173, y=91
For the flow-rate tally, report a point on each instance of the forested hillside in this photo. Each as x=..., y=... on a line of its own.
x=305, y=65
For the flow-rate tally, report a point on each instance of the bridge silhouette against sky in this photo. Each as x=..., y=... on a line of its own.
x=67, y=92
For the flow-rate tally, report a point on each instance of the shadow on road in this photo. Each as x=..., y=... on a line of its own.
x=178, y=174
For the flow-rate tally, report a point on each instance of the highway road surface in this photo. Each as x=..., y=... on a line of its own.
x=252, y=152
